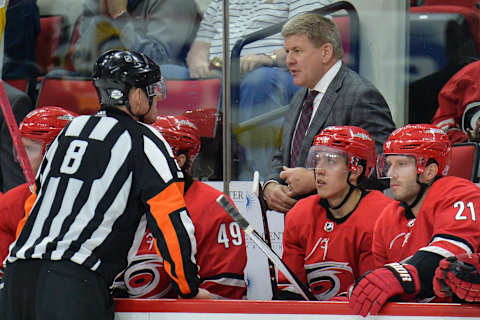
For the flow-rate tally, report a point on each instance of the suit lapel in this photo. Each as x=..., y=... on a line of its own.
x=327, y=103
x=323, y=111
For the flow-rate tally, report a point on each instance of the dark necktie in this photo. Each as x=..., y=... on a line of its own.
x=302, y=127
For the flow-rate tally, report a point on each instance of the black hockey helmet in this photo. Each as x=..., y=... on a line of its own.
x=116, y=71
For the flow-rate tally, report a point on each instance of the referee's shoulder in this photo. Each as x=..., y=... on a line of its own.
x=152, y=134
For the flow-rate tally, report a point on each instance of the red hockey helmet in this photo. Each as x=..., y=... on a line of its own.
x=180, y=133
x=354, y=142
x=205, y=119
x=45, y=123
x=422, y=141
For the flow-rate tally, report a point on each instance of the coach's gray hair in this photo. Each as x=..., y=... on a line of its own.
x=318, y=29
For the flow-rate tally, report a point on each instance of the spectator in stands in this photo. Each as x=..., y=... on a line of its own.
x=328, y=236
x=266, y=84
x=161, y=29
x=38, y=129
x=458, y=112
x=11, y=173
x=21, y=31
x=221, y=250
x=332, y=94
x=433, y=218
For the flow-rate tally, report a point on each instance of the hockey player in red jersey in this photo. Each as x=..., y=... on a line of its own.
x=458, y=112
x=39, y=128
x=221, y=251
x=327, y=237
x=434, y=218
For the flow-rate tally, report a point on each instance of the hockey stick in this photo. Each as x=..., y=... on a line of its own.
x=257, y=190
x=245, y=225
x=16, y=136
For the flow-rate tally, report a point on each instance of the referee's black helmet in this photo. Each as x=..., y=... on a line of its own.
x=116, y=71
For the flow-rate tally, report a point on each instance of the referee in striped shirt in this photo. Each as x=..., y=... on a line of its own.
x=101, y=175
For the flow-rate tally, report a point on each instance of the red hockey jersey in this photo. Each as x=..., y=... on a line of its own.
x=459, y=92
x=325, y=253
x=221, y=253
x=11, y=212
x=446, y=224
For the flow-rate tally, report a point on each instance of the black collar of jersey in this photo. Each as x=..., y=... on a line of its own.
x=117, y=112
x=324, y=204
x=408, y=212
x=188, y=182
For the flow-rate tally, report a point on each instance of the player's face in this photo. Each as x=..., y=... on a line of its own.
x=402, y=171
x=303, y=60
x=331, y=174
x=34, y=152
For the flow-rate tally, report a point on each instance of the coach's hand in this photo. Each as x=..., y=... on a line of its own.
x=300, y=181
x=278, y=197
x=375, y=288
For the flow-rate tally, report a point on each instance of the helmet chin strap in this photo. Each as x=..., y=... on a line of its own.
x=141, y=117
x=351, y=188
x=423, y=188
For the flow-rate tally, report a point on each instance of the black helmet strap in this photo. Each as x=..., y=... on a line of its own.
x=140, y=117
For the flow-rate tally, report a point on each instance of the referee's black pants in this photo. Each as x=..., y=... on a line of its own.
x=54, y=290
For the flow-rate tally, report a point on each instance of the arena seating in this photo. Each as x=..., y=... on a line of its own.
x=464, y=163
x=74, y=93
x=190, y=95
x=20, y=83
x=52, y=35
x=194, y=98
x=472, y=4
x=443, y=39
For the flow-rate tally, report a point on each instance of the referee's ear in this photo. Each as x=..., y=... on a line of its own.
x=138, y=101
x=181, y=159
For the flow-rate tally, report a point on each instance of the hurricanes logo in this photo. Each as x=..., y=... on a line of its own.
x=411, y=223
x=325, y=278
x=146, y=277
x=403, y=235
x=328, y=227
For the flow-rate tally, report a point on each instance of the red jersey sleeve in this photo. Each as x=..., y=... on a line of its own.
x=456, y=204
x=379, y=242
x=222, y=253
x=293, y=253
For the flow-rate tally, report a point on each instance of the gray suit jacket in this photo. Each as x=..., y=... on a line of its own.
x=349, y=100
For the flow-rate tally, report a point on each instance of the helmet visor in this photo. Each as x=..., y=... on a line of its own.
x=158, y=89
x=33, y=149
x=326, y=158
x=395, y=164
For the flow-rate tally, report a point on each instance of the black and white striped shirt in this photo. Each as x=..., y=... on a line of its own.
x=98, y=178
